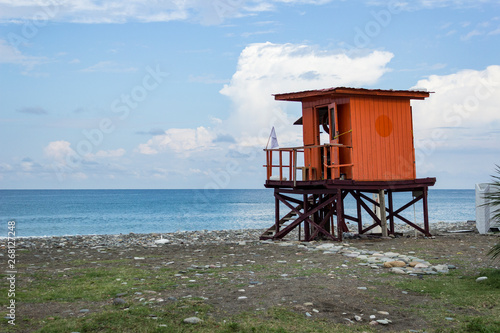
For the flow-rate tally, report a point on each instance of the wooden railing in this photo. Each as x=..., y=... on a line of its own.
x=329, y=151
x=290, y=156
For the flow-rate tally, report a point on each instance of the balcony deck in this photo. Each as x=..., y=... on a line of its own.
x=347, y=184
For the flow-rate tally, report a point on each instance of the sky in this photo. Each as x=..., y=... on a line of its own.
x=178, y=94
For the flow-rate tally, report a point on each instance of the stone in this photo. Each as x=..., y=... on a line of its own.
x=396, y=263
x=119, y=301
x=385, y=313
x=481, y=278
x=358, y=318
x=373, y=323
x=383, y=321
x=308, y=314
x=192, y=320
x=242, y=297
x=397, y=270
x=308, y=304
x=420, y=265
x=440, y=269
x=362, y=288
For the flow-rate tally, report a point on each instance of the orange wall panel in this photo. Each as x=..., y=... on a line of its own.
x=382, y=139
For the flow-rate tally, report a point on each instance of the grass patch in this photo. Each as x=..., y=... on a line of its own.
x=170, y=319
x=461, y=298
x=87, y=284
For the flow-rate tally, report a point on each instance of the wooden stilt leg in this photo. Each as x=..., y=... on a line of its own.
x=426, y=212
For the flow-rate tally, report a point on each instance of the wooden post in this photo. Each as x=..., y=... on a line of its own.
x=307, y=234
x=391, y=209
x=360, y=220
x=276, y=212
x=340, y=214
x=383, y=217
x=426, y=212
x=295, y=169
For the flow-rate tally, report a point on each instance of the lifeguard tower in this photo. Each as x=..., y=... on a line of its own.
x=356, y=142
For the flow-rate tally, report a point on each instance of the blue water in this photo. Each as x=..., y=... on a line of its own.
x=84, y=212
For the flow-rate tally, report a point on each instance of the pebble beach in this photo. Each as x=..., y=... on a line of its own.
x=201, y=237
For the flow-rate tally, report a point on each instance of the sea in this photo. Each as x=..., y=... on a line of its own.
x=95, y=212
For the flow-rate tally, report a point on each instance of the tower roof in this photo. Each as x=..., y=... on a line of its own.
x=350, y=92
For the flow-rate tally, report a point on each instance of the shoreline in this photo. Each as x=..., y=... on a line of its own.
x=198, y=237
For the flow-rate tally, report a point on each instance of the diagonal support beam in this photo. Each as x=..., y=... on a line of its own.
x=301, y=216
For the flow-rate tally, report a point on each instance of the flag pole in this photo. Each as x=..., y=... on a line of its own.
x=269, y=138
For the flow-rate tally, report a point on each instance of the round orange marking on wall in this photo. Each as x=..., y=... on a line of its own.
x=383, y=125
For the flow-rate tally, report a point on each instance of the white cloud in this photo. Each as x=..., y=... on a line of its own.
x=265, y=69
x=11, y=55
x=59, y=151
x=96, y=11
x=109, y=67
x=462, y=113
x=110, y=153
x=180, y=140
x=471, y=34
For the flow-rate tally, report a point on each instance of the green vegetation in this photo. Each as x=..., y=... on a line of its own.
x=170, y=319
x=472, y=304
x=493, y=200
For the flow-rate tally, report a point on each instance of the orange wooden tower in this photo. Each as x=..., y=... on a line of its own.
x=356, y=141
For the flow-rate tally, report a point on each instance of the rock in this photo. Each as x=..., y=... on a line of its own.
x=308, y=304
x=481, y=278
x=373, y=323
x=192, y=320
x=358, y=318
x=396, y=263
x=385, y=313
x=84, y=310
x=308, y=314
x=119, y=301
x=362, y=288
x=397, y=270
x=440, y=269
x=420, y=265
x=242, y=297
x=383, y=321
x=372, y=317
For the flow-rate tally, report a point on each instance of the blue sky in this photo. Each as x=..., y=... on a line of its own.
x=178, y=94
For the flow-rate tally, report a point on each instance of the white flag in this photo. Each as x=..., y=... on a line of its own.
x=274, y=139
